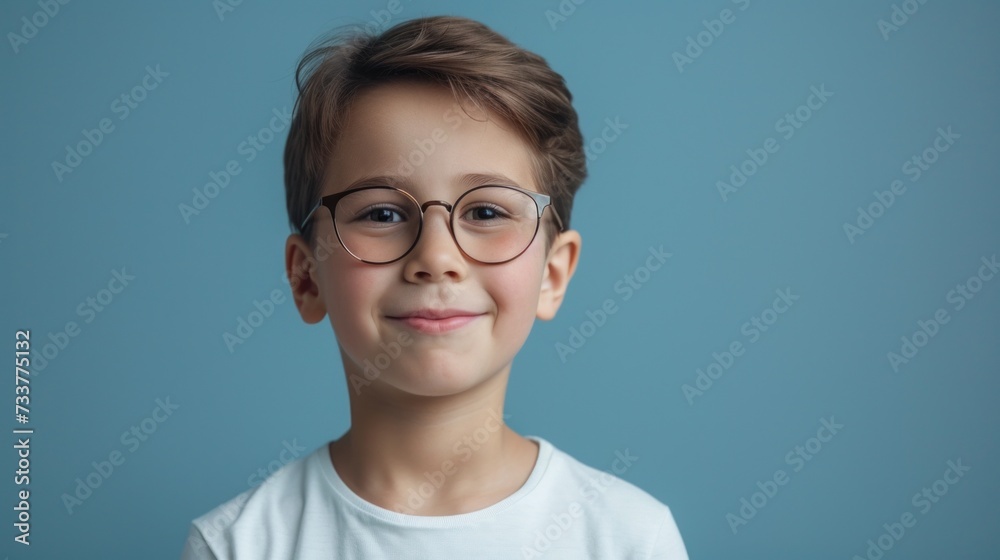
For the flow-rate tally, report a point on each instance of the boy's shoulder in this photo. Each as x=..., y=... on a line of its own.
x=286, y=487
x=615, y=518
x=604, y=489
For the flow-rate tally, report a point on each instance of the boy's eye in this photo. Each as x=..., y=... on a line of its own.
x=485, y=212
x=382, y=214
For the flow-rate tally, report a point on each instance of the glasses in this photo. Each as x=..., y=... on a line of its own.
x=491, y=224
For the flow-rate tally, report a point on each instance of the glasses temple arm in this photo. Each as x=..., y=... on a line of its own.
x=558, y=219
x=309, y=215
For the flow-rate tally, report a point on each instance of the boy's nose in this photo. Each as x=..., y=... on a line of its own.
x=436, y=253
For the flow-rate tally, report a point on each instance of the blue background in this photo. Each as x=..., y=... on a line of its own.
x=655, y=184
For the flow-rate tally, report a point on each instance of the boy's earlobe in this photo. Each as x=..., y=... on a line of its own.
x=300, y=267
x=559, y=268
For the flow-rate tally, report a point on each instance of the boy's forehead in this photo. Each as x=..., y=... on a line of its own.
x=401, y=91
x=404, y=134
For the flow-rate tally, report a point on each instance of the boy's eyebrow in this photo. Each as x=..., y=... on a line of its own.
x=466, y=181
x=470, y=180
x=379, y=180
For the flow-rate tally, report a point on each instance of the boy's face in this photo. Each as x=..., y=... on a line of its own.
x=419, y=134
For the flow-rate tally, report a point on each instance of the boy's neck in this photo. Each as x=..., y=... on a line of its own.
x=433, y=456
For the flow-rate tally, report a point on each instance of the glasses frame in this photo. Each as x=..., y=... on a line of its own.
x=542, y=201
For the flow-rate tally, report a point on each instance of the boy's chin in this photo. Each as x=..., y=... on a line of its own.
x=437, y=382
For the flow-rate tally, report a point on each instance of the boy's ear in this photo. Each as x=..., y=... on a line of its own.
x=300, y=266
x=559, y=268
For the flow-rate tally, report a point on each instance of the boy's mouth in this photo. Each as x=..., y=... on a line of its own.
x=433, y=321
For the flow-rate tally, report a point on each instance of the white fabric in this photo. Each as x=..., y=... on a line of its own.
x=565, y=510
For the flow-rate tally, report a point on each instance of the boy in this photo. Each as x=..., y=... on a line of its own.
x=429, y=174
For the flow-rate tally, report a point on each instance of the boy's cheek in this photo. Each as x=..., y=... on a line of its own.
x=349, y=328
x=516, y=295
x=350, y=297
x=343, y=276
x=344, y=288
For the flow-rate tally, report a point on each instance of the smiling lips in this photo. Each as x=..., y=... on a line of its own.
x=433, y=321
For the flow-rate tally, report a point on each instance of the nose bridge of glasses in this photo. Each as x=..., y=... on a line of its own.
x=421, y=233
x=429, y=203
x=446, y=205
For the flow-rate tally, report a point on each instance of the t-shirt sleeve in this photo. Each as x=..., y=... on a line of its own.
x=668, y=544
x=195, y=548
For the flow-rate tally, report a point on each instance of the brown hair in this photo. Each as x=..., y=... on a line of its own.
x=477, y=63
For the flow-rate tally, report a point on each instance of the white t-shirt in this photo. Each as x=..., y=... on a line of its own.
x=565, y=510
